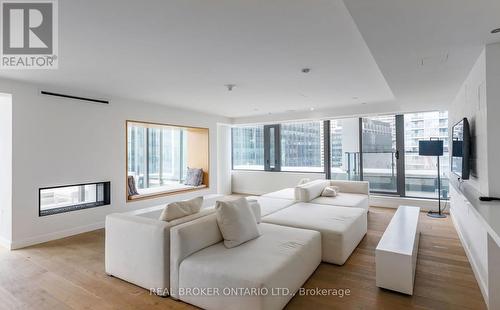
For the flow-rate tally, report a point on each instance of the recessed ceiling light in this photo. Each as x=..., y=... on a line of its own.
x=230, y=86
x=495, y=30
x=311, y=109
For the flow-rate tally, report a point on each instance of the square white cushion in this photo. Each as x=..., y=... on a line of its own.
x=180, y=209
x=341, y=228
x=236, y=222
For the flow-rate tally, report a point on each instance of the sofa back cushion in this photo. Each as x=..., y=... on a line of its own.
x=353, y=187
x=237, y=222
x=188, y=238
x=178, y=209
x=308, y=191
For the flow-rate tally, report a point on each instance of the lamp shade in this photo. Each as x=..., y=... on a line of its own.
x=430, y=148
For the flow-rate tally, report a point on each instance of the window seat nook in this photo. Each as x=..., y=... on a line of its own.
x=165, y=190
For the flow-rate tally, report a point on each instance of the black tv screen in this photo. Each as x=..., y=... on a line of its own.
x=460, y=160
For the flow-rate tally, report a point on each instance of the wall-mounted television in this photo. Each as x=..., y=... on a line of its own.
x=461, y=142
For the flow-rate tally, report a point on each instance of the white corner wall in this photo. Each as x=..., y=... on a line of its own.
x=224, y=159
x=471, y=102
x=59, y=141
x=475, y=221
x=5, y=170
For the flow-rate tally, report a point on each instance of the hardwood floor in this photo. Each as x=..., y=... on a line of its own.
x=69, y=274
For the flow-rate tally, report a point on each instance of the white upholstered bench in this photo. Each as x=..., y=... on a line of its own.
x=396, y=253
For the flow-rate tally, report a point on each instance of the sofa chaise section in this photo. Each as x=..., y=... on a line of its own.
x=341, y=228
x=281, y=258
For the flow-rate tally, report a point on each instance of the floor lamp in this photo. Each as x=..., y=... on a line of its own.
x=433, y=148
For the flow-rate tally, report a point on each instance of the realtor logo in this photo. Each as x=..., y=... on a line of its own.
x=29, y=34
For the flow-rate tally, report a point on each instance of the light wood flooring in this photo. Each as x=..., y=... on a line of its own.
x=69, y=274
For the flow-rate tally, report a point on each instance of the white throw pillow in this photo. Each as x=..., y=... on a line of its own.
x=236, y=222
x=180, y=209
x=255, y=206
x=304, y=181
x=330, y=191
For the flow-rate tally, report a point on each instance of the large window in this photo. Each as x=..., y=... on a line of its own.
x=248, y=148
x=282, y=147
x=421, y=171
x=302, y=147
x=380, y=149
x=344, y=149
x=158, y=157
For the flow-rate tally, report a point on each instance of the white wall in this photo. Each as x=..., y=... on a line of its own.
x=60, y=141
x=261, y=182
x=493, y=97
x=224, y=159
x=478, y=100
x=471, y=102
x=5, y=169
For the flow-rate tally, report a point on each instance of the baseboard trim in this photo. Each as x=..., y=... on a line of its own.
x=18, y=244
x=481, y=282
x=394, y=202
x=5, y=243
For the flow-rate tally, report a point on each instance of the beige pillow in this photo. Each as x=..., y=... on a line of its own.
x=236, y=222
x=180, y=209
x=330, y=191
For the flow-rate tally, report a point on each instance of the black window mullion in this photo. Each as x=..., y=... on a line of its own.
x=400, y=149
x=326, y=150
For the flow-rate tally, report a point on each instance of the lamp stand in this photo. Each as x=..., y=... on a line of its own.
x=438, y=214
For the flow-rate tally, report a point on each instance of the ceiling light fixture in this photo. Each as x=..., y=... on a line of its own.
x=306, y=70
x=495, y=30
x=311, y=109
x=230, y=86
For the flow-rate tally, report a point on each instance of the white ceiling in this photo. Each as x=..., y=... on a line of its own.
x=447, y=36
x=183, y=52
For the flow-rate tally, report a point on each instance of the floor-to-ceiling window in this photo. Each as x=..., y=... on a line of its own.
x=302, y=147
x=421, y=171
x=380, y=149
x=344, y=149
x=379, y=153
x=248, y=148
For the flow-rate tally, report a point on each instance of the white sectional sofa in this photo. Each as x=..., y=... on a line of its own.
x=281, y=258
x=137, y=245
x=299, y=227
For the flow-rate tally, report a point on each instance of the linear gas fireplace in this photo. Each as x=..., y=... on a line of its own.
x=66, y=198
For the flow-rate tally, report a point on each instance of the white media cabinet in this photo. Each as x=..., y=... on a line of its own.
x=396, y=253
